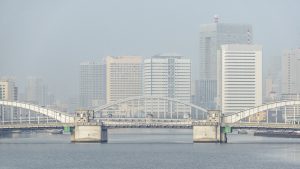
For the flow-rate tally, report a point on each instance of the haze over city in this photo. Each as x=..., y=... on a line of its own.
x=49, y=39
x=149, y=84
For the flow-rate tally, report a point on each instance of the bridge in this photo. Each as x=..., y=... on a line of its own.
x=149, y=112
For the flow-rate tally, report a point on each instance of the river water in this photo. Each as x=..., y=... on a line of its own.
x=147, y=149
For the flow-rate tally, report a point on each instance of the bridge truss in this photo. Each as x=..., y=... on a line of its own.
x=155, y=107
x=150, y=106
x=275, y=112
x=26, y=113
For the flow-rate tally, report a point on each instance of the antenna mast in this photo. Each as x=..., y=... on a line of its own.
x=216, y=18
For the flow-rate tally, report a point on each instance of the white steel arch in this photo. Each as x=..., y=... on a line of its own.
x=148, y=97
x=59, y=116
x=235, y=117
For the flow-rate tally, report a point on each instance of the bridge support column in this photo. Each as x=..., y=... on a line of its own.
x=89, y=133
x=223, y=136
x=86, y=131
x=209, y=131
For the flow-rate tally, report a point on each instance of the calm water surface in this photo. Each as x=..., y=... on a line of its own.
x=147, y=149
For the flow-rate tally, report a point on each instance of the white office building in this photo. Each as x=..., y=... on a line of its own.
x=168, y=75
x=240, y=77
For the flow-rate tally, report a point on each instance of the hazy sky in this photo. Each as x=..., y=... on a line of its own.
x=50, y=38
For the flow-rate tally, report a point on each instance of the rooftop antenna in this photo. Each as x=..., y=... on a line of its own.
x=249, y=36
x=216, y=18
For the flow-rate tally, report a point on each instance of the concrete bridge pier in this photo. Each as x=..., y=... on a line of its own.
x=209, y=131
x=89, y=133
x=223, y=136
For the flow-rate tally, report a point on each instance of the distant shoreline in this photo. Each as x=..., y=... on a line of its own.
x=283, y=134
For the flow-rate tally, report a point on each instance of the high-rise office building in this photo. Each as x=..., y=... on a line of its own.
x=272, y=81
x=239, y=77
x=123, y=77
x=8, y=90
x=291, y=71
x=212, y=36
x=195, y=92
x=36, y=91
x=168, y=75
x=92, y=84
x=268, y=89
x=291, y=82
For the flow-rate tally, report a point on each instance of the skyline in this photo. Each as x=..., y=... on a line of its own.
x=149, y=84
x=67, y=34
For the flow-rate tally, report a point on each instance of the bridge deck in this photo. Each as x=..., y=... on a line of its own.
x=153, y=123
x=35, y=126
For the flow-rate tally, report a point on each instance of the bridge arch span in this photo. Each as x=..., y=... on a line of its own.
x=57, y=115
x=236, y=117
x=149, y=100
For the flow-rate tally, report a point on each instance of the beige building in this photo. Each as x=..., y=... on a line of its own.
x=8, y=90
x=258, y=117
x=123, y=77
